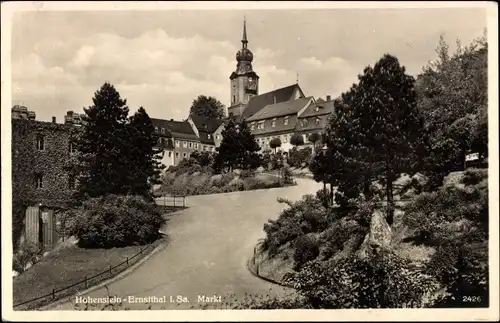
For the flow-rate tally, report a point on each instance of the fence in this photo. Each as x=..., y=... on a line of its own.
x=85, y=282
x=171, y=201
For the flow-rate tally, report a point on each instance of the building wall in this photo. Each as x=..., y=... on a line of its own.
x=236, y=110
x=183, y=148
x=264, y=140
x=52, y=165
x=218, y=135
x=268, y=128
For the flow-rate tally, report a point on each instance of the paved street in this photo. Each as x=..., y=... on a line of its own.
x=209, y=244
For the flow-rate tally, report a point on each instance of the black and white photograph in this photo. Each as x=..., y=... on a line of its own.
x=169, y=158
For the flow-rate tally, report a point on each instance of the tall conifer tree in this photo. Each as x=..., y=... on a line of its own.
x=103, y=145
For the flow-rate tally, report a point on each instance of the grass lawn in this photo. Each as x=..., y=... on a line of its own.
x=70, y=265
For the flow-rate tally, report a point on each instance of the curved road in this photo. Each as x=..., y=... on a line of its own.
x=209, y=245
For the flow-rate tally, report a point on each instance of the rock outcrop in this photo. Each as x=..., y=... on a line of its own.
x=379, y=237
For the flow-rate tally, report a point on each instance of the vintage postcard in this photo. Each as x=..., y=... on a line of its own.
x=249, y=161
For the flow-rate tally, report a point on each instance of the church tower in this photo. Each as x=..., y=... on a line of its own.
x=244, y=81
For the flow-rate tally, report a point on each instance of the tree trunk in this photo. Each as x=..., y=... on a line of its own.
x=325, y=197
x=331, y=194
x=390, y=199
x=366, y=189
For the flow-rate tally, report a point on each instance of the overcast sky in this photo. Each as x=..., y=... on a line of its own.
x=162, y=60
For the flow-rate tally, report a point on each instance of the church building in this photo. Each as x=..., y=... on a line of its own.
x=262, y=111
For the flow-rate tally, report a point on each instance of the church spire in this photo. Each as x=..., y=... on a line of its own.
x=244, y=40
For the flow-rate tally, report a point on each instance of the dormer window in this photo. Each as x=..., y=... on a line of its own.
x=273, y=123
x=318, y=120
x=156, y=129
x=209, y=136
x=285, y=122
x=317, y=109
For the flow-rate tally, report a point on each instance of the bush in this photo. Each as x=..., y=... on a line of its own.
x=247, y=173
x=306, y=249
x=437, y=213
x=474, y=176
x=287, y=175
x=454, y=220
x=299, y=157
x=302, y=217
x=382, y=281
x=27, y=253
x=277, y=160
x=116, y=221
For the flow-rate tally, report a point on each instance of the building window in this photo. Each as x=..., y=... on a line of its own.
x=177, y=143
x=176, y=155
x=234, y=98
x=217, y=137
x=260, y=125
x=190, y=145
x=169, y=154
x=305, y=122
x=184, y=155
x=285, y=122
x=72, y=148
x=209, y=136
x=38, y=180
x=195, y=145
x=273, y=124
x=156, y=129
x=184, y=144
x=162, y=130
x=317, y=121
x=40, y=143
x=252, y=127
x=71, y=182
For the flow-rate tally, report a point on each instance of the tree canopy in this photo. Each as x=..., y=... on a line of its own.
x=374, y=134
x=116, y=153
x=296, y=140
x=208, y=107
x=275, y=143
x=238, y=148
x=452, y=97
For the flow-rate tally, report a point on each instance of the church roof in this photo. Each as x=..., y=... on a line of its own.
x=258, y=102
x=280, y=109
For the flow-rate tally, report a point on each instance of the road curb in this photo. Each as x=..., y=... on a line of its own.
x=119, y=276
x=256, y=274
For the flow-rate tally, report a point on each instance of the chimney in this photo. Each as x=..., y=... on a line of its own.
x=328, y=98
x=53, y=119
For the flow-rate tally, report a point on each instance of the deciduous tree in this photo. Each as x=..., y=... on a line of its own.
x=296, y=140
x=208, y=107
x=275, y=143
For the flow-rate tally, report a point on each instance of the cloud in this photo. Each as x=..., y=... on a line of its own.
x=163, y=60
